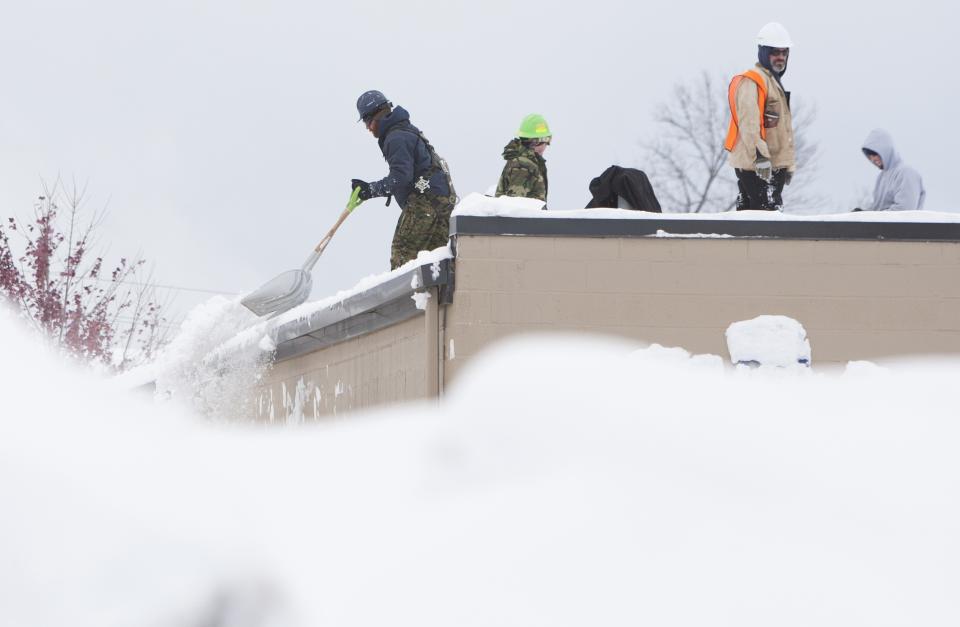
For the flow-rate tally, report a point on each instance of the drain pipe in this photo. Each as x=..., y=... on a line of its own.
x=431, y=341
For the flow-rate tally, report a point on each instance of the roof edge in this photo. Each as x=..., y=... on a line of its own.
x=381, y=306
x=783, y=229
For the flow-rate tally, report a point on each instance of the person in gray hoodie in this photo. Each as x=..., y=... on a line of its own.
x=899, y=187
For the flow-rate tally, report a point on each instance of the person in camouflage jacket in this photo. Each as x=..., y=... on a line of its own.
x=525, y=173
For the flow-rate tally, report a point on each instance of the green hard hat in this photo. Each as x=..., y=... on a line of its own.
x=534, y=126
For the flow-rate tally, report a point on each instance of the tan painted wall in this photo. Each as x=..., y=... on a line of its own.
x=386, y=366
x=857, y=299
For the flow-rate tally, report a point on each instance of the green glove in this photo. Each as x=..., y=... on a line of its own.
x=354, y=201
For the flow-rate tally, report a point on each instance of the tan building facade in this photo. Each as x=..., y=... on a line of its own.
x=862, y=290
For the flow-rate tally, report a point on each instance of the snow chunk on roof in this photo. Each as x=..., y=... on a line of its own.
x=480, y=205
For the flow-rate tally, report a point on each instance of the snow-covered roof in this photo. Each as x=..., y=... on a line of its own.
x=478, y=205
x=484, y=215
x=312, y=314
x=222, y=328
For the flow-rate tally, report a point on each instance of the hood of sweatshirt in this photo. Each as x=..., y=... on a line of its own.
x=880, y=142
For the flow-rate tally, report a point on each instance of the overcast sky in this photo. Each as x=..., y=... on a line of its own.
x=222, y=135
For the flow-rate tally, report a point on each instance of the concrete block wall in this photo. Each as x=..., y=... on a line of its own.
x=385, y=366
x=857, y=299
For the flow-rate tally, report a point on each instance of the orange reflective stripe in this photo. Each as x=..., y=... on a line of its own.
x=734, y=130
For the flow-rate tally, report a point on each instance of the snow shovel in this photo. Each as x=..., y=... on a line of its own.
x=292, y=288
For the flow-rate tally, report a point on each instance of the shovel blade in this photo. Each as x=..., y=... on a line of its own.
x=281, y=293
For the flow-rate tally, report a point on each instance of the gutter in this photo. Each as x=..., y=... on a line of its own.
x=381, y=306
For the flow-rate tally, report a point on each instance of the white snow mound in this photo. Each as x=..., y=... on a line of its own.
x=769, y=341
x=563, y=481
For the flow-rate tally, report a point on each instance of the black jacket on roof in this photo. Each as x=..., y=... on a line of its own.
x=629, y=183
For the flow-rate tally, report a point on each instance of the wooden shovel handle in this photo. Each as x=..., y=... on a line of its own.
x=329, y=236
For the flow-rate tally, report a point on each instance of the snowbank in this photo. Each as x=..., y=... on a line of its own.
x=560, y=483
x=505, y=206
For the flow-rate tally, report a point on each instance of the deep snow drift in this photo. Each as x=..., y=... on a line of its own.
x=563, y=482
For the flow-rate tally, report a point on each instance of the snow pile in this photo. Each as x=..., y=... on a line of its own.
x=769, y=341
x=865, y=369
x=479, y=205
x=195, y=372
x=662, y=233
x=559, y=483
x=656, y=355
x=222, y=350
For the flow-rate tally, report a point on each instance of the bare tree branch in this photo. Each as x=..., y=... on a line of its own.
x=60, y=286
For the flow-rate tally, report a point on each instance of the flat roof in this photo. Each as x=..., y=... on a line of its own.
x=666, y=226
x=390, y=302
x=478, y=214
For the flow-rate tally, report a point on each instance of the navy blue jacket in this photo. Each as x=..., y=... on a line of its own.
x=408, y=158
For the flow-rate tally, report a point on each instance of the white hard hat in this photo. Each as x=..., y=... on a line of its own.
x=774, y=35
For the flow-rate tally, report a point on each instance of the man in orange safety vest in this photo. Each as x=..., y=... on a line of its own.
x=760, y=138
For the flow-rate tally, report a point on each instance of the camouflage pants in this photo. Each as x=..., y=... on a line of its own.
x=424, y=224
